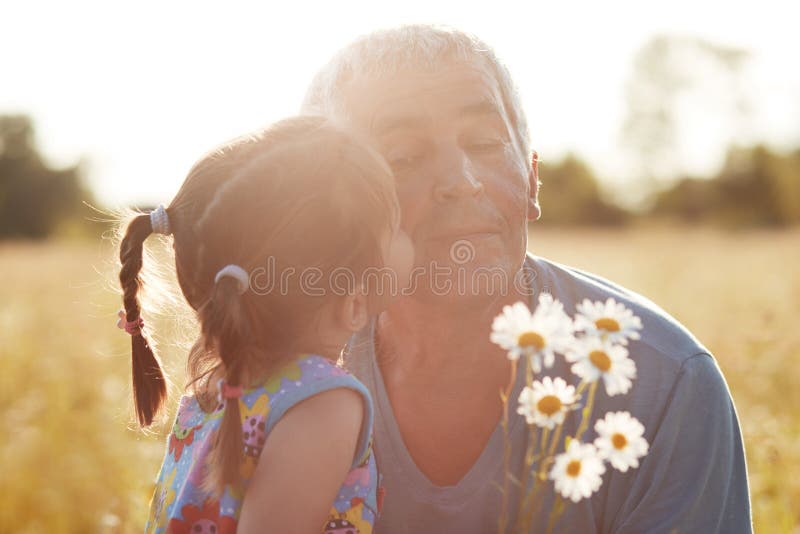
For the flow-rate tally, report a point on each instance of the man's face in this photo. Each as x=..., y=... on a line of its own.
x=461, y=178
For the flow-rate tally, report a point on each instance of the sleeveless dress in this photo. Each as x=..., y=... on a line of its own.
x=180, y=505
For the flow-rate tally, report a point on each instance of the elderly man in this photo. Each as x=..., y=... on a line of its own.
x=443, y=111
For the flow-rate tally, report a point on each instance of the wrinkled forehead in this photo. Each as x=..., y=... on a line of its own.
x=374, y=102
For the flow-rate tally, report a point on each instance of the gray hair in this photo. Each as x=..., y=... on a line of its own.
x=386, y=52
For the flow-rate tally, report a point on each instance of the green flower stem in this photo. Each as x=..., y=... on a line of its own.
x=548, y=458
x=529, y=453
x=587, y=411
x=525, y=495
x=531, y=505
x=504, y=395
x=555, y=513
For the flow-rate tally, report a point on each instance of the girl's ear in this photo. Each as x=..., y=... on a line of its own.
x=352, y=312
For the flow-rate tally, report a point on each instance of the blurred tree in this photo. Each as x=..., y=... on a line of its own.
x=570, y=195
x=690, y=199
x=34, y=198
x=759, y=187
x=756, y=187
x=787, y=179
x=683, y=93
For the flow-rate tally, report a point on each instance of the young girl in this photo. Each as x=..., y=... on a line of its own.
x=273, y=235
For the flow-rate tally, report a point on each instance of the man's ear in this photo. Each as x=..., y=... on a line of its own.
x=352, y=311
x=534, y=210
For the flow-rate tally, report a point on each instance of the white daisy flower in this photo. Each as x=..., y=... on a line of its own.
x=547, y=402
x=595, y=358
x=578, y=471
x=612, y=320
x=538, y=335
x=619, y=440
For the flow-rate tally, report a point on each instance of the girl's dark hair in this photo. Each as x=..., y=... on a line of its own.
x=149, y=384
x=301, y=194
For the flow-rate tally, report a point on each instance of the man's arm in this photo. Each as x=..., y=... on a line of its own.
x=694, y=478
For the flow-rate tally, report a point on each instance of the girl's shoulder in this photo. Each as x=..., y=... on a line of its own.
x=297, y=381
x=306, y=372
x=262, y=406
x=300, y=379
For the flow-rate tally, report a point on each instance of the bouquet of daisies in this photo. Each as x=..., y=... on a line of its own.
x=595, y=343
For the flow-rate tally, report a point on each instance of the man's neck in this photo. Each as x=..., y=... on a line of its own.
x=440, y=337
x=443, y=377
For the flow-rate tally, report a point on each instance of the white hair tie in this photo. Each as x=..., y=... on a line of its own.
x=159, y=221
x=238, y=274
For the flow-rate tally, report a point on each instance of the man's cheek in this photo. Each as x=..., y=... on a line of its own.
x=412, y=209
x=510, y=200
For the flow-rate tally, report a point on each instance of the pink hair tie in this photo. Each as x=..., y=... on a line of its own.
x=226, y=391
x=133, y=328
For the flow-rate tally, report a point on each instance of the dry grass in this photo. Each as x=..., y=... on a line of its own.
x=72, y=462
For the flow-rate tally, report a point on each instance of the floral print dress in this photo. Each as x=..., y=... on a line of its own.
x=180, y=505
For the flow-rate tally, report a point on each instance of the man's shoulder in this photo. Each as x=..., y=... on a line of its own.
x=661, y=333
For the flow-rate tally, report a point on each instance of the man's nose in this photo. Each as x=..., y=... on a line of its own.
x=456, y=178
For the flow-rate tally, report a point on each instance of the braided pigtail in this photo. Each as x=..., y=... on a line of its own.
x=149, y=383
x=227, y=330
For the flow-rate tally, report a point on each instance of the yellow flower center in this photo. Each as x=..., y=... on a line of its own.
x=574, y=468
x=549, y=405
x=619, y=441
x=600, y=360
x=531, y=339
x=608, y=324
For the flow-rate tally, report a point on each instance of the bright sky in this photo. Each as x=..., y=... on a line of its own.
x=143, y=89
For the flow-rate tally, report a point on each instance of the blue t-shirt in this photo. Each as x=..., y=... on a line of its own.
x=181, y=505
x=692, y=480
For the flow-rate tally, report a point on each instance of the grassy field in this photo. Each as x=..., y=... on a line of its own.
x=71, y=460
